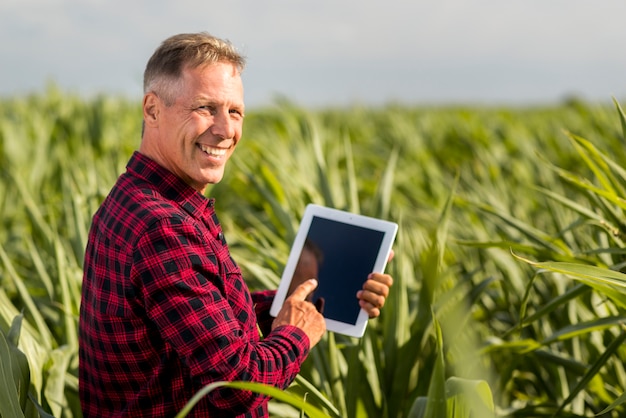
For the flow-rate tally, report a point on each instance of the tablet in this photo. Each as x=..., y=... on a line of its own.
x=339, y=249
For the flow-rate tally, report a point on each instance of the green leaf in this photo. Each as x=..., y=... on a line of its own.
x=622, y=117
x=465, y=398
x=522, y=346
x=259, y=388
x=594, y=369
x=436, y=406
x=19, y=363
x=309, y=387
x=20, y=284
x=532, y=233
x=607, y=282
x=583, y=328
x=469, y=398
x=9, y=397
x=54, y=390
x=593, y=158
x=619, y=401
x=418, y=409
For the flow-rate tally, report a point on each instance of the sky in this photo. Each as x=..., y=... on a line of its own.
x=331, y=52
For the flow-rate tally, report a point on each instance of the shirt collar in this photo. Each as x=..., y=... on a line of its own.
x=169, y=185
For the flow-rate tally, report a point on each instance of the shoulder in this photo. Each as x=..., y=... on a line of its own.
x=134, y=206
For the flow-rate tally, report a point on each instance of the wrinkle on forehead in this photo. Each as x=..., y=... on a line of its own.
x=222, y=86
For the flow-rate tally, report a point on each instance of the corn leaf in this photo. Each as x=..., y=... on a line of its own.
x=607, y=282
x=9, y=396
x=259, y=388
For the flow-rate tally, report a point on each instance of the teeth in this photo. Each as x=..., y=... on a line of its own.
x=216, y=152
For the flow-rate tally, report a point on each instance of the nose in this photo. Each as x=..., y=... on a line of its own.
x=223, y=126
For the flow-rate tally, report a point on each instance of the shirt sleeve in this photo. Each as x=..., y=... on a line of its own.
x=262, y=304
x=182, y=290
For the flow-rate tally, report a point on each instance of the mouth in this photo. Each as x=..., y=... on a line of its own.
x=213, y=151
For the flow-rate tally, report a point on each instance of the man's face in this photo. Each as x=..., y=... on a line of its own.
x=195, y=136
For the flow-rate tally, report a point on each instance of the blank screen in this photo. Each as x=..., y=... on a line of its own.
x=345, y=255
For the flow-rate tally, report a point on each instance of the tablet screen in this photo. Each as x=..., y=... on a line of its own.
x=340, y=256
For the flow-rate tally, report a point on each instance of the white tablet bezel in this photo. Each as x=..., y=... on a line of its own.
x=389, y=230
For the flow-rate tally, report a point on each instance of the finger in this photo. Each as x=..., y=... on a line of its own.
x=376, y=300
x=391, y=255
x=384, y=279
x=303, y=290
x=376, y=288
x=380, y=288
x=371, y=310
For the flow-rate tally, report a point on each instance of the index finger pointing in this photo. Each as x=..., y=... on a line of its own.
x=303, y=290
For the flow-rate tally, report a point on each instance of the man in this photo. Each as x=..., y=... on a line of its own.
x=164, y=308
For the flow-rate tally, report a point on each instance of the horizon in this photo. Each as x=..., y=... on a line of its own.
x=324, y=55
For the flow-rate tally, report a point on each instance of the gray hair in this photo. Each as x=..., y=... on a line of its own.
x=185, y=50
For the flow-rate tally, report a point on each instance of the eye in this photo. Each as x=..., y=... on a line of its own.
x=207, y=108
x=236, y=112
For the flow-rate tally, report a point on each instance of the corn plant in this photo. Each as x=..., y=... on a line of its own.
x=481, y=195
x=564, y=352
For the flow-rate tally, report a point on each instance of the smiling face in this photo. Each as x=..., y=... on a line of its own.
x=194, y=136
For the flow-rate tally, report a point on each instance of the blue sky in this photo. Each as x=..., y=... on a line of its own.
x=329, y=52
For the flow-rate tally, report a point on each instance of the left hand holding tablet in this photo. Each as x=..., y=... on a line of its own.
x=375, y=291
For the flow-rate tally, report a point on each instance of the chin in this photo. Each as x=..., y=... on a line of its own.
x=214, y=178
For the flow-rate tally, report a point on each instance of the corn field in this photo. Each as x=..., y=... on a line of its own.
x=509, y=298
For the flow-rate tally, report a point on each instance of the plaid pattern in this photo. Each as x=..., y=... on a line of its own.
x=165, y=310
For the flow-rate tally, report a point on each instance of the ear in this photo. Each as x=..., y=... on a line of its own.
x=151, y=107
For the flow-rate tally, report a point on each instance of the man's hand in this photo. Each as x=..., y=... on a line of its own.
x=375, y=291
x=299, y=312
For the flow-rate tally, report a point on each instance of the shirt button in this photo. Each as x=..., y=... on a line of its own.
x=220, y=236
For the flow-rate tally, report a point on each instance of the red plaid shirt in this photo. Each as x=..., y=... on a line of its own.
x=165, y=310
